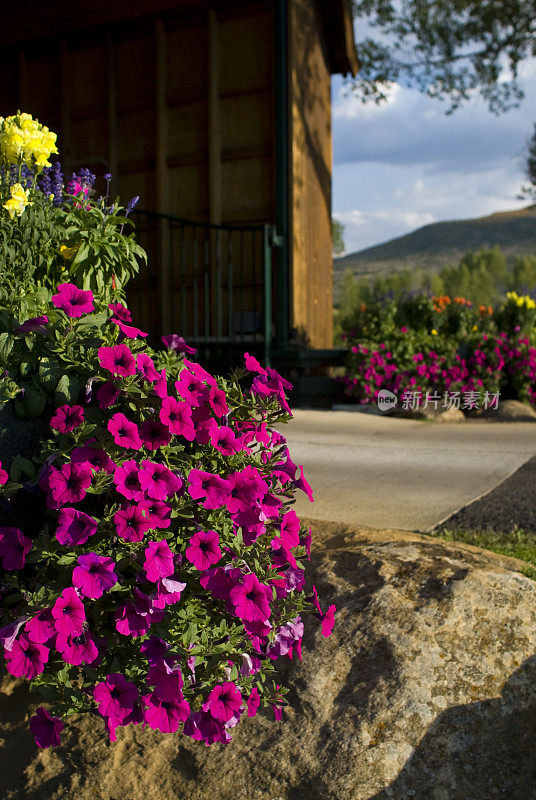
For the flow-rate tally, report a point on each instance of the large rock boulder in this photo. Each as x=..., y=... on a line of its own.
x=426, y=689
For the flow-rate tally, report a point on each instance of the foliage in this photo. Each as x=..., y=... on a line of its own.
x=529, y=190
x=337, y=237
x=515, y=544
x=151, y=563
x=447, y=50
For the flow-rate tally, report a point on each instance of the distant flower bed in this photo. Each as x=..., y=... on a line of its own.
x=152, y=564
x=445, y=347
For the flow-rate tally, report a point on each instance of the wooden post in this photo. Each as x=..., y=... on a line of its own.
x=214, y=122
x=112, y=110
x=161, y=177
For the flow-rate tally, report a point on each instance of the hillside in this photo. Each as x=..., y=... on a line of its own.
x=433, y=246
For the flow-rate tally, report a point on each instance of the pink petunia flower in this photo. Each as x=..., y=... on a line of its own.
x=118, y=360
x=69, y=613
x=130, y=331
x=67, y=418
x=250, y=599
x=125, y=432
x=328, y=621
x=253, y=365
x=136, y=617
x=145, y=366
x=4, y=477
x=131, y=524
x=158, y=561
x=217, y=402
x=224, y=440
x=203, y=550
x=73, y=301
x=223, y=702
x=34, y=325
x=94, y=575
x=69, y=483
x=214, y=489
x=77, y=649
x=166, y=713
x=40, y=629
x=74, y=527
x=127, y=480
x=168, y=592
x=120, y=312
x=177, y=416
x=157, y=513
x=26, y=659
x=46, y=729
x=14, y=547
x=158, y=481
x=253, y=702
x=94, y=456
x=175, y=342
x=115, y=696
x=107, y=394
x=154, y=435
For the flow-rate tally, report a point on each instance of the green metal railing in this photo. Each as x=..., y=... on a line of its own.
x=214, y=282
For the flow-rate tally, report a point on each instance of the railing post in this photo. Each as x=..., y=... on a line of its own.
x=268, y=236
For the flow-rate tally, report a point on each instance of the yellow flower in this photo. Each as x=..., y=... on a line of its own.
x=24, y=138
x=68, y=252
x=434, y=332
x=18, y=200
x=474, y=327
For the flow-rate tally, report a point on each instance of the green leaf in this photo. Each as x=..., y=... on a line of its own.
x=67, y=390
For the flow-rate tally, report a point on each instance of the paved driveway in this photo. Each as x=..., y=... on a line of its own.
x=398, y=473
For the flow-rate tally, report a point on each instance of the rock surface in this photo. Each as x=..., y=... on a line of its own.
x=509, y=410
x=426, y=689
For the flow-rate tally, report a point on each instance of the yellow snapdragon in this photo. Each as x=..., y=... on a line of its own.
x=18, y=200
x=23, y=138
x=521, y=300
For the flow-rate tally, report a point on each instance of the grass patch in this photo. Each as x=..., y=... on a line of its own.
x=516, y=544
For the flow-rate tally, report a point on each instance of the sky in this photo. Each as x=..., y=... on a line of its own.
x=406, y=163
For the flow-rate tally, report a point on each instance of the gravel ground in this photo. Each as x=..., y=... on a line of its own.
x=512, y=504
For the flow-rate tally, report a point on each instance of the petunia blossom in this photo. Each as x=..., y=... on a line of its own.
x=157, y=481
x=33, y=325
x=46, y=729
x=125, y=432
x=94, y=456
x=175, y=342
x=158, y=514
x=107, y=395
x=158, y=561
x=26, y=659
x=177, y=416
x=77, y=650
x=253, y=702
x=328, y=621
x=165, y=714
x=74, y=527
x=118, y=360
x=204, y=485
x=130, y=331
x=115, y=696
x=127, y=480
x=69, y=483
x=94, y=575
x=250, y=599
x=131, y=524
x=154, y=434
x=40, y=628
x=203, y=550
x=4, y=477
x=14, y=547
x=69, y=613
x=67, y=418
x=73, y=301
x=120, y=312
x=146, y=368
x=223, y=702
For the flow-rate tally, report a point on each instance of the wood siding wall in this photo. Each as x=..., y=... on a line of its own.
x=311, y=162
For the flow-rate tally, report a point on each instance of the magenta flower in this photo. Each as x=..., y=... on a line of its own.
x=203, y=551
x=130, y=331
x=136, y=617
x=158, y=514
x=94, y=456
x=154, y=435
x=177, y=343
x=158, y=561
x=223, y=702
x=118, y=360
x=214, y=489
x=40, y=629
x=253, y=702
x=217, y=401
x=77, y=649
x=131, y=524
x=4, y=477
x=69, y=613
x=34, y=325
x=127, y=480
x=67, y=418
x=107, y=394
x=125, y=432
x=74, y=527
x=250, y=599
x=46, y=729
x=115, y=696
x=328, y=621
x=253, y=365
x=73, y=301
x=120, y=312
x=165, y=714
x=145, y=366
x=158, y=481
x=69, y=483
x=177, y=416
x=26, y=659
x=224, y=440
x=168, y=592
x=94, y=575
x=14, y=546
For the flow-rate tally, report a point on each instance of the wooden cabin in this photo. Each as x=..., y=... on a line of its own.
x=217, y=113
